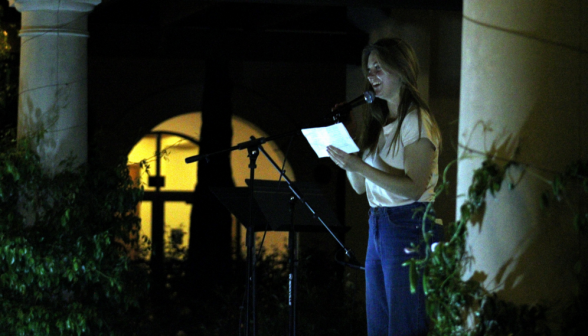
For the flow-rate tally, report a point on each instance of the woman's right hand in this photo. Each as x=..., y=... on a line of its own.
x=350, y=162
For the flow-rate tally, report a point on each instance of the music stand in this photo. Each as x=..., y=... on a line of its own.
x=254, y=147
x=273, y=199
x=276, y=201
x=275, y=210
x=236, y=200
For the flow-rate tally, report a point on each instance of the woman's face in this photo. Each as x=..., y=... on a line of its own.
x=386, y=84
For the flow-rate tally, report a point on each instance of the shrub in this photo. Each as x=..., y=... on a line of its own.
x=64, y=247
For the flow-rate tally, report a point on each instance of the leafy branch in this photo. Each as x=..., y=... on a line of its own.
x=459, y=307
x=64, y=243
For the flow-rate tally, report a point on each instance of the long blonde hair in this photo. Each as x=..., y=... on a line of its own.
x=394, y=55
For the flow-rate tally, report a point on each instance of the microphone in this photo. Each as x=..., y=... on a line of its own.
x=342, y=111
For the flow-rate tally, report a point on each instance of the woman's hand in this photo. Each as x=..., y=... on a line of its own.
x=412, y=182
x=350, y=162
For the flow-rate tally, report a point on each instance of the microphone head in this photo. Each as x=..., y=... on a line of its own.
x=366, y=97
x=369, y=96
x=342, y=111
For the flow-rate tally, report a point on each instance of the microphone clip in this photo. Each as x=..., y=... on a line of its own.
x=341, y=112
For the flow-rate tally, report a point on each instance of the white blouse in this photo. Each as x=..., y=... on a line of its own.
x=386, y=156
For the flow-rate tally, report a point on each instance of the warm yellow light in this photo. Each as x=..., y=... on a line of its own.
x=180, y=176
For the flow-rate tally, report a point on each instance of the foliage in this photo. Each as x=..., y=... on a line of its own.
x=173, y=248
x=328, y=302
x=459, y=307
x=64, y=243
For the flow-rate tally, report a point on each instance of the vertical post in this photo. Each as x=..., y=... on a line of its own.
x=523, y=88
x=293, y=275
x=250, y=323
x=157, y=226
x=53, y=78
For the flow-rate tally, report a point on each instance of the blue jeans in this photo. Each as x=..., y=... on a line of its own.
x=392, y=309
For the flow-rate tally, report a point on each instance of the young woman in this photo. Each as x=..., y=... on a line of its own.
x=397, y=169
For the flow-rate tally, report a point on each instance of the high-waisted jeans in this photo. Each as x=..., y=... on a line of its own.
x=392, y=310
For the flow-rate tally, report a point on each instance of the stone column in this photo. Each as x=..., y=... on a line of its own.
x=524, y=86
x=53, y=104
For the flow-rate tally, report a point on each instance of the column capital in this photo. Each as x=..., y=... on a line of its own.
x=54, y=5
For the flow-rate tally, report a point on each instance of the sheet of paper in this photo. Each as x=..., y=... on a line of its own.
x=335, y=135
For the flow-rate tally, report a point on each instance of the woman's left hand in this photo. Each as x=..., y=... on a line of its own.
x=349, y=162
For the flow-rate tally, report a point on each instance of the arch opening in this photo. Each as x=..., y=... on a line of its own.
x=178, y=138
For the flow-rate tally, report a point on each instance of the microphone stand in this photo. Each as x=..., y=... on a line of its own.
x=251, y=316
x=293, y=244
x=251, y=144
x=347, y=251
x=293, y=275
x=254, y=146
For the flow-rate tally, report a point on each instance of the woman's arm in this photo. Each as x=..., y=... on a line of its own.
x=418, y=167
x=357, y=182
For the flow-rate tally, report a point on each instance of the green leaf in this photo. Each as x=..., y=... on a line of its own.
x=413, y=276
x=425, y=285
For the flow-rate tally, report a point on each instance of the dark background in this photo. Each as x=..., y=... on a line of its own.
x=284, y=63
